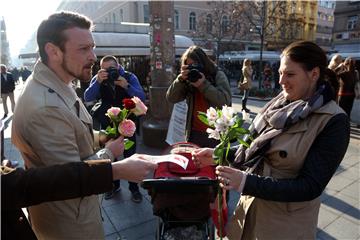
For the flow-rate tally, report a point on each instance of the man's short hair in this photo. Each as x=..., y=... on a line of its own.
x=52, y=30
x=108, y=58
x=3, y=66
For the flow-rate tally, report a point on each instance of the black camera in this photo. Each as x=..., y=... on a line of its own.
x=113, y=74
x=194, y=72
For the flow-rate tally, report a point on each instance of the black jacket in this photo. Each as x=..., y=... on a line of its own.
x=8, y=85
x=22, y=188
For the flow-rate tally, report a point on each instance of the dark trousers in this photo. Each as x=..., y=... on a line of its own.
x=104, y=122
x=2, y=144
x=133, y=187
x=346, y=103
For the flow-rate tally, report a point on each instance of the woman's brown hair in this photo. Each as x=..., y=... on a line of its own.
x=199, y=56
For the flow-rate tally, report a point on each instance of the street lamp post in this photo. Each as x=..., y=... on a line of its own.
x=162, y=60
x=261, y=55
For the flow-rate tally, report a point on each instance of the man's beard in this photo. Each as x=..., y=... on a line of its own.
x=81, y=76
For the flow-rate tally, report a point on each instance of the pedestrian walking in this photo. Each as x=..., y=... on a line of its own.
x=7, y=89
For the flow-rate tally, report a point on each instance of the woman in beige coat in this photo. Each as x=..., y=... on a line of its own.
x=245, y=84
x=301, y=137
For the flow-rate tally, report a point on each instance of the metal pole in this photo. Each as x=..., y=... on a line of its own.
x=263, y=15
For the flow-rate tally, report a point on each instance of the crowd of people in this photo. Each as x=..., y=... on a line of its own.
x=299, y=138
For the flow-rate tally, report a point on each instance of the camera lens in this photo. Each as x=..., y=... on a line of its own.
x=113, y=74
x=194, y=75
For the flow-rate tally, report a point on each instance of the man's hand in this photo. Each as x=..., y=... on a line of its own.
x=134, y=169
x=122, y=82
x=102, y=75
x=116, y=146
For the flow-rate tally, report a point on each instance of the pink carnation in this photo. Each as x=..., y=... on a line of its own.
x=113, y=111
x=127, y=128
x=140, y=108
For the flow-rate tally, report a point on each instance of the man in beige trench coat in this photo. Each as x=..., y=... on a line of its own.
x=51, y=125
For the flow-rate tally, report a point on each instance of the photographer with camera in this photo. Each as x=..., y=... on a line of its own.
x=110, y=86
x=203, y=85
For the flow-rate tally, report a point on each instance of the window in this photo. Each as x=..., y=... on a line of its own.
x=114, y=18
x=209, y=23
x=293, y=7
x=192, y=21
x=352, y=21
x=121, y=15
x=176, y=19
x=146, y=13
x=225, y=24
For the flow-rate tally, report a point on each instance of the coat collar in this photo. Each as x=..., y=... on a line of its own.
x=45, y=76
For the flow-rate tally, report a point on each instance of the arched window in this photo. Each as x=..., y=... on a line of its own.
x=225, y=24
x=176, y=19
x=192, y=21
x=209, y=23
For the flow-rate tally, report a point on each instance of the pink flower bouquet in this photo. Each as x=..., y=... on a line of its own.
x=120, y=125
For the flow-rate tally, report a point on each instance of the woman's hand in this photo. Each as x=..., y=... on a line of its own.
x=184, y=73
x=230, y=178
x=199, y=82
x=203, y=157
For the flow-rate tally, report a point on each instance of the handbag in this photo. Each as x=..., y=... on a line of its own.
x=242, y=86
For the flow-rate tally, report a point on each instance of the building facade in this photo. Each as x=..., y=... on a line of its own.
x=292, y=21
x=346, y=32
x=325, y=23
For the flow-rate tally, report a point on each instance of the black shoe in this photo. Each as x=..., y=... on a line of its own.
x=117, y=189
x=110, y=194
x=136, y=197
x=5, y=115
x=246, y=110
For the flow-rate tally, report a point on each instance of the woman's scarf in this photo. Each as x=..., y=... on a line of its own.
x=276, y=117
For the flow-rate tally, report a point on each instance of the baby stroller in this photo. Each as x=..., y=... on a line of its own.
x=181, y=198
